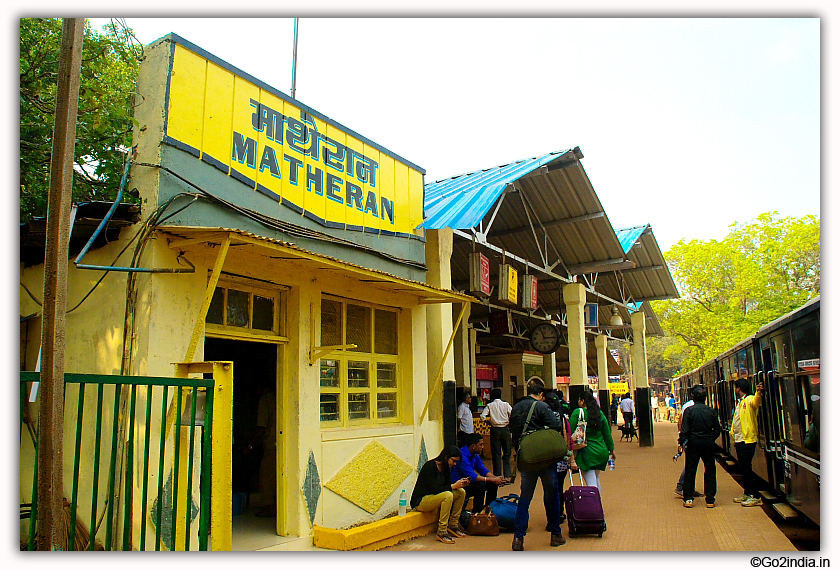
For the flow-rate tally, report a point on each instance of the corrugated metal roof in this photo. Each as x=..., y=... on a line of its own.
x=627, y=236
x=461, y=202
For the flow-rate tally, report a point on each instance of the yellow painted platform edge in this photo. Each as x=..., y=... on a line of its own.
x=373, y=533
x=402, y=537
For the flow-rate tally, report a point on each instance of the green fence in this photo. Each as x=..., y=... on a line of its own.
x=153, y=421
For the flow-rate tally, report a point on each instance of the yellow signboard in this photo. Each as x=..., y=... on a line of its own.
x=289, y=153
x=618, y=388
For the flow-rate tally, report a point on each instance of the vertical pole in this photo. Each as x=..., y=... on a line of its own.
x=51, y=412
x=294, y=60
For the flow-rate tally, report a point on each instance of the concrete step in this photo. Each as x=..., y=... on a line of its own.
x=785, y=511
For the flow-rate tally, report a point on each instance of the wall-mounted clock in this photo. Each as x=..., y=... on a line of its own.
x=545, y=338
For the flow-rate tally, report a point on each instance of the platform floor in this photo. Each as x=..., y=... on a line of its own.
x=642, y=512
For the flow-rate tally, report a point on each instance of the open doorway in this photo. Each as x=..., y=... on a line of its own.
x=255, y=450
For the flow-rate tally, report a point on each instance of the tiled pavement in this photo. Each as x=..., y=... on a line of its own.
x=642, y=512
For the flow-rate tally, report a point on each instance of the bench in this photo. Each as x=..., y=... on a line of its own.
x=379, y=534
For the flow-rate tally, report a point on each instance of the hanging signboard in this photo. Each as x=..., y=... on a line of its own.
x=590, y=315
x=529, y=292
x=508, y=283
x=479, y=274
x=501, y=322
x=618, y=388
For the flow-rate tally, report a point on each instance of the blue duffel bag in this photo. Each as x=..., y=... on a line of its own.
x=505, y=510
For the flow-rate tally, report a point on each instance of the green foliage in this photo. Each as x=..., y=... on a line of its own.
x=103, y=131
x=730, y=288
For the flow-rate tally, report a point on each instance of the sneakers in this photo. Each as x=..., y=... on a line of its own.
x=710, y=505
x=445, y=538
x=688, y=503
x=741, y=498
x=751, y=502
x=457, y=531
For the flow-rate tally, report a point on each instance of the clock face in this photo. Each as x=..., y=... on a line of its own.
x=545, y=338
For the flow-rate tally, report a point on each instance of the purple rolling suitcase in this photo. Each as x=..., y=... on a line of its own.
x=584, y=511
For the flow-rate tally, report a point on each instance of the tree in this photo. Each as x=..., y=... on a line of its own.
x=730, y=288
x=103, y=132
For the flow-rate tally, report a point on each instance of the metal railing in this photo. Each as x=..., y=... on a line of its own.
x=156, y=425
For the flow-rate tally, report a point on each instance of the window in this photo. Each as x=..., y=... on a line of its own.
x=359, y=385
x=237, y=308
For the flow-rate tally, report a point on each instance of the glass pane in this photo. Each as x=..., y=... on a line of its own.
x=263, y=318
x=386, y=405
x=386, y=375
x=358, y=406
x=385, y=332
x=216, y=312
x=330, y=375
x=358, y=375
x=330, y=408
x=237, y=308
x=330, y=323
x=358, y=327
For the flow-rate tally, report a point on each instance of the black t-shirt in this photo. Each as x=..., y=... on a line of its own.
x=430, y=481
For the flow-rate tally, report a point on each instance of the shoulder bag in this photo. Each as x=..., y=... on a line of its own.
x=579, y=435
x=540, y=448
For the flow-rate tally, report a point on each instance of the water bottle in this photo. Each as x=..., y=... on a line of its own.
x=611, y=464
x=403, y=503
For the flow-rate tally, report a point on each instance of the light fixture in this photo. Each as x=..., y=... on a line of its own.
x=615, y=319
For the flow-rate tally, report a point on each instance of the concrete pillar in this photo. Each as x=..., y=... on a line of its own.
x=549, y=372
x=603, y=373
x=644, y=420
x=461, y=350
x=574, y=297
x=439, y=315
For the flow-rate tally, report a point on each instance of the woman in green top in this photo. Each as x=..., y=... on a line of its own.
x=592, y=459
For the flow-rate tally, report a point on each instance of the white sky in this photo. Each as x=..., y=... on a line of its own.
x=686, y=124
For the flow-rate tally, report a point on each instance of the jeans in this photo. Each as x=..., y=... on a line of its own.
x=559, y=483
x=500, y=449
x=745, y=453
x=483, y=493
x=450, y=503
x=551, y=499
x=700, y=449
x=628, y=418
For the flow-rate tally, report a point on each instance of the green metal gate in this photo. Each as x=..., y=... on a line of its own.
x=140, y=447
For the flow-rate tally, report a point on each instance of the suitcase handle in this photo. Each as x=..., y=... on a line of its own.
x=580, y=474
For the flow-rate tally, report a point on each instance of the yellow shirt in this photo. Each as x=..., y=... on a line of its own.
x=744, y=419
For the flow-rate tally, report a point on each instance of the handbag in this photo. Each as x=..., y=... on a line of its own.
x=579, y=435
x=483, y=523
x=541, y=447
x=505, y=510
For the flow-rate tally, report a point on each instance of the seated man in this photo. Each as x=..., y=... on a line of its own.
x=483, y=485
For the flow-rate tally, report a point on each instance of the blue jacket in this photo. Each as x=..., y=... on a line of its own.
x=470, y=466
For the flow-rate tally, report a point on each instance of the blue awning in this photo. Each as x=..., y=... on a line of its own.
x=461, y=202
x=627, y=237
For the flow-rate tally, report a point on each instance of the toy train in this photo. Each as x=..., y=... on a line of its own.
x=785, y=356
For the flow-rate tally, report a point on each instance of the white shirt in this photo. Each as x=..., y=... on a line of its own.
x=684, y=406
x=465, y=419
x=499, y=411
x=654, y=402
x=626, y=405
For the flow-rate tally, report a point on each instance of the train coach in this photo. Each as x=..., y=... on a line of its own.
x=785, y=356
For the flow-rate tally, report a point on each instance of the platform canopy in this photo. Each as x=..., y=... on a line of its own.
x=542, y=215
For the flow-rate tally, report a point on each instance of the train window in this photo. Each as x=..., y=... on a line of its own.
x=750, y=361
x=741, y=364
x=781, y=354
x=806, y=342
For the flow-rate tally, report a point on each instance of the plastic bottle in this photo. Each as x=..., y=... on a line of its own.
x=611, y=464
x=403, y=503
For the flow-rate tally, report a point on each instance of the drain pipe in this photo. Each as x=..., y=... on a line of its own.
x=105, y=220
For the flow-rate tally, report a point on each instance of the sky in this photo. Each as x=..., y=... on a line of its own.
x=687, y=124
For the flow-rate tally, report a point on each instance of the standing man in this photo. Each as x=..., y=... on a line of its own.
x=700, y=429
x=465, y=418
x=627, y=409
x=483, y=485
x=745, y=434
x=499, y=412
x=541, y=417
x=678, y=492
x=654, y=407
